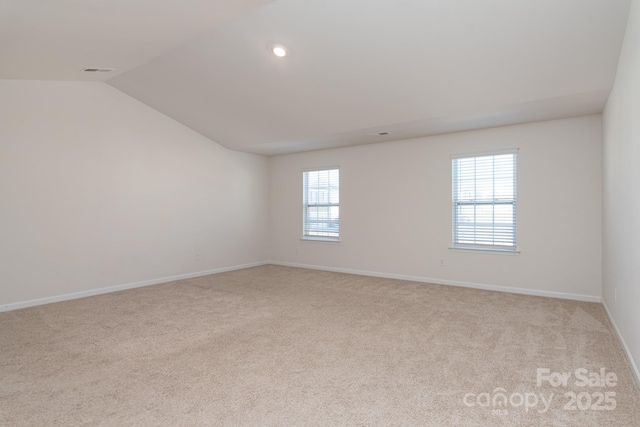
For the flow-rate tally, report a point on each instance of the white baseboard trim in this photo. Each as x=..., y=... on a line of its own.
x=533, y=292
x=116, y=288
x=627, y=352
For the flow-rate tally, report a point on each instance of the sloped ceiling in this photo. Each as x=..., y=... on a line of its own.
x=55, y=39
x=355, y=68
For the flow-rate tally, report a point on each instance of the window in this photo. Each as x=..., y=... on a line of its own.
x=484, y=201
x=321, y=204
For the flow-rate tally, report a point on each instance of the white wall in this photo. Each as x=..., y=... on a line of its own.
x=98, y=190
x=396, y=208
x=621, y=188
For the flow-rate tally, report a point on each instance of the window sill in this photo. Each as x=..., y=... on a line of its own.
x=484, y=251
x=321, y=239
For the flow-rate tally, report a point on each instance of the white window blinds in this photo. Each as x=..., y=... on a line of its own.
x=484, y=201
x=321, y=204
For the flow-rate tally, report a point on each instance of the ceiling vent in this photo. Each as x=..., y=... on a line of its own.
x=98, y=70
x=382, y=133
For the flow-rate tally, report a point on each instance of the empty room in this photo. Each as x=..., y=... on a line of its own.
x=349, y=213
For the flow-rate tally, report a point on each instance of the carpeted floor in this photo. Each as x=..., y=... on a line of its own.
x=275, y=345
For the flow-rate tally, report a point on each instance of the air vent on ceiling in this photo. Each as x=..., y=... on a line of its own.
x=381, y=133
x=98, y=70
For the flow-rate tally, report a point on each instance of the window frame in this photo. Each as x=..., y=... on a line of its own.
x=306, y=205
x=456, y=203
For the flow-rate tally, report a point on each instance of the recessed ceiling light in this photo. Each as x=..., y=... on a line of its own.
x=279, y=51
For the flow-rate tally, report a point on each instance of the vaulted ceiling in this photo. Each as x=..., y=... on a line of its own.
x=354, y=68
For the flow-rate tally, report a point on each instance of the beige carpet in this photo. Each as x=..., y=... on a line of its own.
x=279, y=346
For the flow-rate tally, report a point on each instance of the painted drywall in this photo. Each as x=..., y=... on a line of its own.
x=621, y=193
x=99, y=190
x=396, y=208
